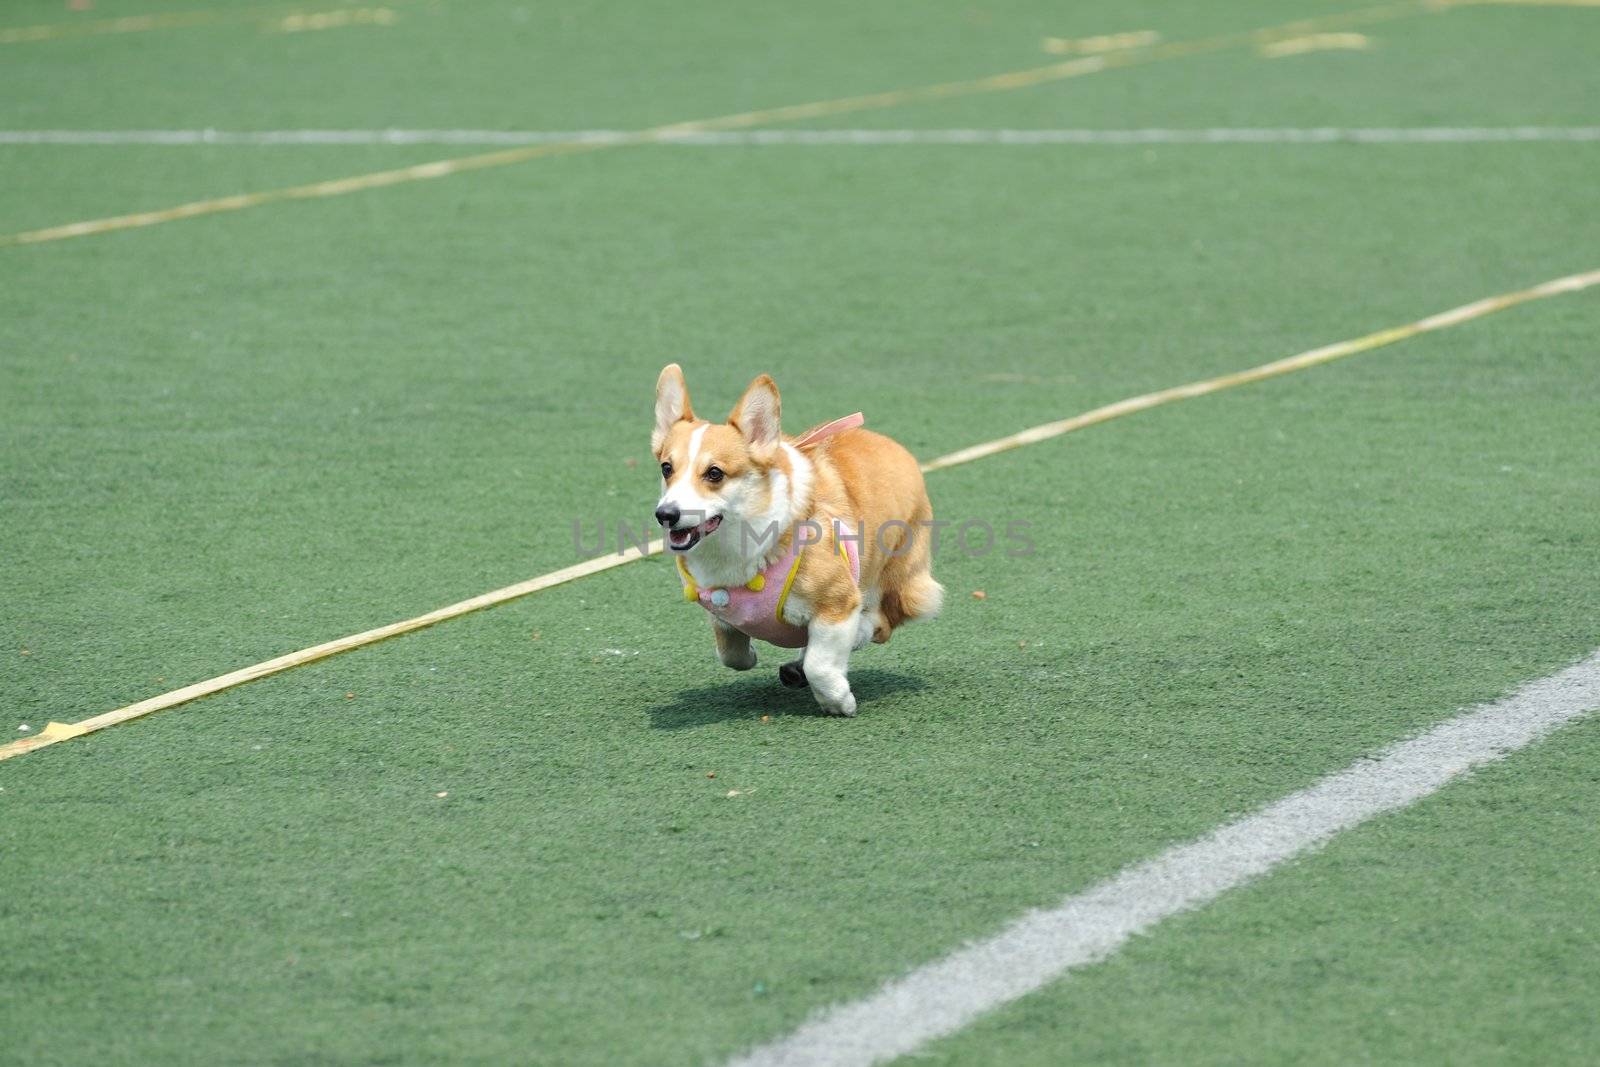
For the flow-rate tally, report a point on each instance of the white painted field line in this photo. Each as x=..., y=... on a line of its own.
x=943, y=997
x=737, y=138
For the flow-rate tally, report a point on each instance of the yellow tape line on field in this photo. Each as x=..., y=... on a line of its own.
x=1106, y=42
x=280, y=17
x=1018, y=79
x=1476, y=310
x=130, y=24
x=1314, y=42
x=173, y=20
x=333, y=20
x=56, y=732
x=315, y=190
x=1518, y=3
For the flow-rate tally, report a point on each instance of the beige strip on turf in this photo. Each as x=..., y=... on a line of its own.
x=1018, y=79
x=57, y=732
x=996, y=137
x=60, y=731
x=1476, y=310
x=278, y=17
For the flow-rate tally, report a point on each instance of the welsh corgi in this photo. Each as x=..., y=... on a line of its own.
x=821, y=541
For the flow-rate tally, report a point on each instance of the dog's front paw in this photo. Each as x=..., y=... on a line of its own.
x=738, y=659
x=844, y=707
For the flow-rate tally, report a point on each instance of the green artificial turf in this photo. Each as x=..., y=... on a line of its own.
x=232, y=437
x=1462, y=931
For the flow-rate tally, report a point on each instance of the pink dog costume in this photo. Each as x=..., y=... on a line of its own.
x=756, y=608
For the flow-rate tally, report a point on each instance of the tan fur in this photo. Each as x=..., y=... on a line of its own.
x=860, y=477
x=865, y=477
x=867, y=482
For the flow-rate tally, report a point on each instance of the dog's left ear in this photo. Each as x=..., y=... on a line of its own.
x=756, y=415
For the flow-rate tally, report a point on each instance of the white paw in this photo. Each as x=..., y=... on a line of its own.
x=845, y=706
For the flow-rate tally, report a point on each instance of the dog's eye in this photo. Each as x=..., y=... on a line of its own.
x=666, y=470
x=714, y=475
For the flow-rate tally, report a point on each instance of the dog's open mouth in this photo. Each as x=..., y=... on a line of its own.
x=686, y=538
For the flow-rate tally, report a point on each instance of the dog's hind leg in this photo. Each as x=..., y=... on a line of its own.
x=871, y=619
x=909, y=589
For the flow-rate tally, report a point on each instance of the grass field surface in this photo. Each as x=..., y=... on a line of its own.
x=498, y=840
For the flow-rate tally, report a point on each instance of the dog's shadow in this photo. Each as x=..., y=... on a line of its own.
x=760, y=693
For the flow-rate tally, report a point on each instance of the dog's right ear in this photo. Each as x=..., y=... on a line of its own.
x=672, y=403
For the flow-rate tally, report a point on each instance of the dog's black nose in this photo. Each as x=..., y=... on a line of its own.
x=668, y=515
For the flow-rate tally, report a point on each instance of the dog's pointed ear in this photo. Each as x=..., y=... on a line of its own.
x=672, y=403
x=756, y=415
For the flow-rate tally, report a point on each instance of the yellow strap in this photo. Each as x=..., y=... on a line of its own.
x=692, y=591
x=783, y=596
x=794, y=569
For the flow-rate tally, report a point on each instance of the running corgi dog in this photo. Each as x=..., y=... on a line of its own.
x=820, y=541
